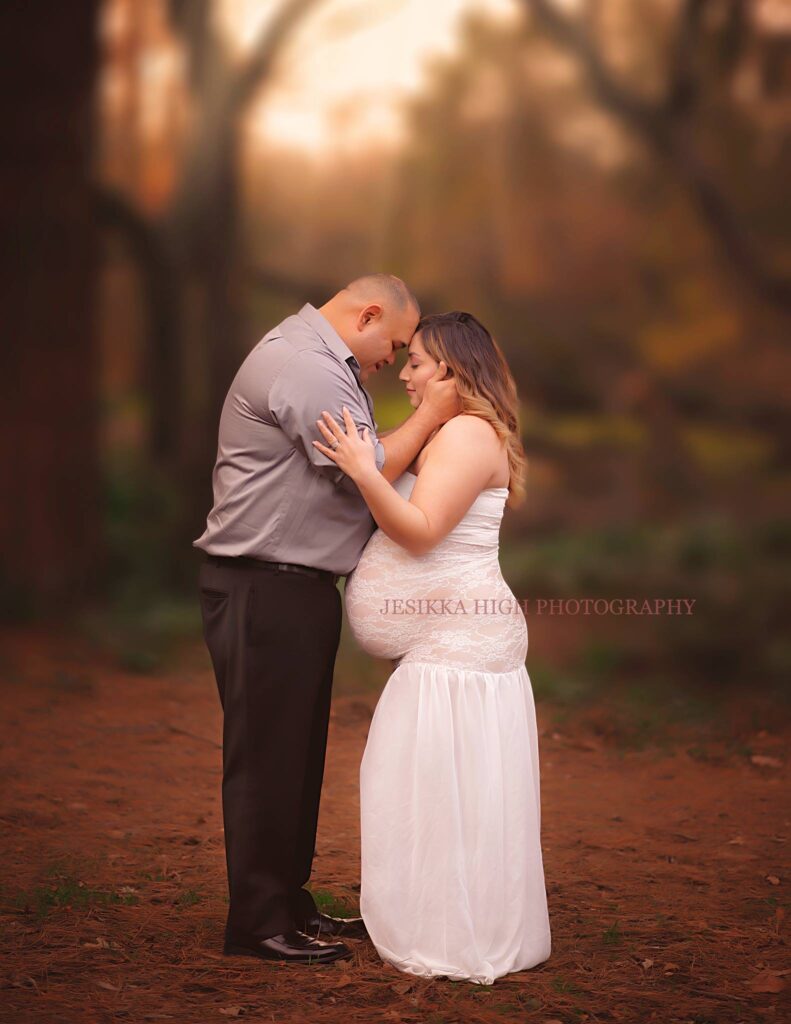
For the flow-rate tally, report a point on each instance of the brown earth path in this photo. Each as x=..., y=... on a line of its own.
x=667, y=867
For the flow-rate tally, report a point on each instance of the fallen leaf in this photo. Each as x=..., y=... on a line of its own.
x=767, y=981
x=724, y=853
x=108, y=985
x=763, y=761
x=696, y=876
x=99, y=944
x=669, y=968
x=587, y=745
x=736, y=841
x=343, y=981
x=403, y=987
x=773, y=879
x=646, y=964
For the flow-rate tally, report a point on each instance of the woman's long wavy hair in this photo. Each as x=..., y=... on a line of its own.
x=484, y=382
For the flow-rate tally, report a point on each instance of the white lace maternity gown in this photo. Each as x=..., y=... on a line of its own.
x=452, y=879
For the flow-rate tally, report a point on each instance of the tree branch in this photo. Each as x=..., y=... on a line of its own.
x=573, y=38
x=661, y=125
x=683, y=81
x=222, y=93
x=266, y=49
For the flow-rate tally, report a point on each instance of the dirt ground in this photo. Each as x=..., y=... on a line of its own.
x=667, y=865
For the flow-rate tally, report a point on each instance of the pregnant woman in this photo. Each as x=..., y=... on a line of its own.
x=452, y=879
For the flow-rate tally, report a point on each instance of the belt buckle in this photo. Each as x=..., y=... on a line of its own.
x=317, y=574
x=288, y=567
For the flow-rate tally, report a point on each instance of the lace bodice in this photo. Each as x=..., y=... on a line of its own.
x=450, y=606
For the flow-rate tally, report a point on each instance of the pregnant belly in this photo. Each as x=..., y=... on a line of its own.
x=449, y=606
x=382, y=574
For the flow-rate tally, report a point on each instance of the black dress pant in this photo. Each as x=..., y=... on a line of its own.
x=273, y=637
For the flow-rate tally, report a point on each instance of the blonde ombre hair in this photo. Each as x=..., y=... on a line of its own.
x=485, y=384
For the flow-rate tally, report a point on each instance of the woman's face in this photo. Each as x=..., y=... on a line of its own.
x=418, y=369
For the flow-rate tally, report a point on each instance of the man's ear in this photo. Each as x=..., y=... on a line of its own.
x=372, y=312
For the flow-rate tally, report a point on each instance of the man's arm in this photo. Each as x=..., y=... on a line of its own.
x=307, y=384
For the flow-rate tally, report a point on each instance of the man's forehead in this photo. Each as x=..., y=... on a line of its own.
x=410, y=328
x=402, y=340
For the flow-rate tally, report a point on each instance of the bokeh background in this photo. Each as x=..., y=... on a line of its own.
x=603, y=183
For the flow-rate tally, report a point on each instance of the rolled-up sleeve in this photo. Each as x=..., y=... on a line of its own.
x=306, y=385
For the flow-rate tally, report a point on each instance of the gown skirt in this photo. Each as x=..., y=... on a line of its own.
x=452, y=879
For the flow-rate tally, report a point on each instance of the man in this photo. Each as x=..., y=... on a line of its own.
x=285, y=525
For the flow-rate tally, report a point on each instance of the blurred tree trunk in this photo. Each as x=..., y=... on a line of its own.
x=49, y=514
x=203, y=222
x=194, y=247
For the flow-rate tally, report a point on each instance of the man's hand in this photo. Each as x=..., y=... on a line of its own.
x=440, y=399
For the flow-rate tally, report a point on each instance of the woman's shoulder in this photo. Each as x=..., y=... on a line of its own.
x=457, y=436
x=467, y=428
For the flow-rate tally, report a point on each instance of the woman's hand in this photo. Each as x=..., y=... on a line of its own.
x=353, y=454
x=441, y=397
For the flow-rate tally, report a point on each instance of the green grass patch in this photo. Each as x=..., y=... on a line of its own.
x=328, y=903
x=73, y=683
x=563, y=686
x=141, y=636
x=189, y=898
x=67, y=894
x=565, y=987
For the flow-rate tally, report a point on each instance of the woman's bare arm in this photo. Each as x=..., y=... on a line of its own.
x=458, y=465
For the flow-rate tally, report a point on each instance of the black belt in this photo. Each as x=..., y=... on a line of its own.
x=243, y=562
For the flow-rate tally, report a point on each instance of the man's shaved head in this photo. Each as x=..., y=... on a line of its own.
x=375, y=315
x=386, y=289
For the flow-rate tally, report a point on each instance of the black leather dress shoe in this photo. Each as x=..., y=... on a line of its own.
x=323, y=926
x=293, y=947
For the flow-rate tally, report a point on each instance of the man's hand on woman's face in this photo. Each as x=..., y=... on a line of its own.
x=440, y=396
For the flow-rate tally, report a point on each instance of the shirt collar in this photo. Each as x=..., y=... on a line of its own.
x=329, y=336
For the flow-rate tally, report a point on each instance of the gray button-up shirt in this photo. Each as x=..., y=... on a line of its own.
x=276, y=497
